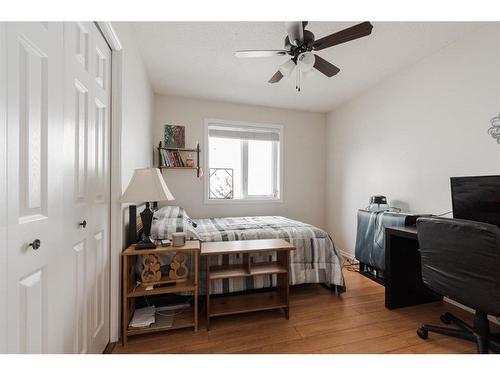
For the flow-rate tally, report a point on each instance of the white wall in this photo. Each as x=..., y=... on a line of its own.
x=3, y=189
x=137, y=104
x=136, y=141
x=405, y=137
x=304, y=157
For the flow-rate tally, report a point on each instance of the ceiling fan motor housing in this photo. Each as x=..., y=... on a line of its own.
x=305, y=46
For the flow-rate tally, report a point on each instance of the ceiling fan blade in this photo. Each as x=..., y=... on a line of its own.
x=276, y=77
x=346, y=35
x=259, y=53
x=325, y=67
x=295, y=31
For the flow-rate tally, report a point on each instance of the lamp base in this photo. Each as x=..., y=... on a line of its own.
x=145, y=244
x=147, y=219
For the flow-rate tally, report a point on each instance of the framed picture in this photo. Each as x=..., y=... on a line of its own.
x=175, y=136
x=221, y=183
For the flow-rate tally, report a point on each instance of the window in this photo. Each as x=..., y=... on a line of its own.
x=243, y=161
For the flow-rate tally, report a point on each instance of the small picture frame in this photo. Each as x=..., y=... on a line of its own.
x=174, y=136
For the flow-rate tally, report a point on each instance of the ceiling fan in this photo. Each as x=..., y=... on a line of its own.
x=299, y=44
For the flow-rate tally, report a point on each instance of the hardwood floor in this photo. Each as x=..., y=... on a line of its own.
x=320, y=322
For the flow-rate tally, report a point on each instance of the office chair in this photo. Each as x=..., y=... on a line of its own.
x=461, y=260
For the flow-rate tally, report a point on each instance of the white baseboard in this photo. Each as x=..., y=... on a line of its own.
x=345, y=254
x=492, y=319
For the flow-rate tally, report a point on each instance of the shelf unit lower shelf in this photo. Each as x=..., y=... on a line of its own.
x=239, y=304
x=182, y=320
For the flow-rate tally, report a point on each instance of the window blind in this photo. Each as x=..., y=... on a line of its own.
x=247, y=133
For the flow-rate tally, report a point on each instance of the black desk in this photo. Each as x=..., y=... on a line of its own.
x=403, y=277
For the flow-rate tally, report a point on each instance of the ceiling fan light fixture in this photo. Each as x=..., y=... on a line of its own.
x=308, y=74
x=287, y=68
x=305, y=61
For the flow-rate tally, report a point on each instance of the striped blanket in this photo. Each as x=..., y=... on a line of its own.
x=315, y=259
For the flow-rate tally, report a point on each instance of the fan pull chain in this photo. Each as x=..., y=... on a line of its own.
x=298, y=80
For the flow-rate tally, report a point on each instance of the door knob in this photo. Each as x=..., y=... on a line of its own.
x=35, y=244
x=83, y=224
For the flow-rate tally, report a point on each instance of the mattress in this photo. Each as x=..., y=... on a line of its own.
x=315, y=259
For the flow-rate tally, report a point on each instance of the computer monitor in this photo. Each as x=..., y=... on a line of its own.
x=476, y=198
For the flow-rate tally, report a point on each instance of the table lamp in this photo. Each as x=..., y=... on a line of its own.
x=147, y=185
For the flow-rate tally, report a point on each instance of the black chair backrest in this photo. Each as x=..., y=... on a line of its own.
x=461, y=260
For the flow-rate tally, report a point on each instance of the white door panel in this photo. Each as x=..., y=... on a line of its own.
x=87, y=122
x=35, y=128
x=3, y=188
x=54, y=173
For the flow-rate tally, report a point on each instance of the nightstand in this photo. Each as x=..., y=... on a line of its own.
x=132, y=290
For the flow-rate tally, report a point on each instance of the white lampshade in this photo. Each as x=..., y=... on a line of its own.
x=306, y=61
x=287, y=68
x=147, y=185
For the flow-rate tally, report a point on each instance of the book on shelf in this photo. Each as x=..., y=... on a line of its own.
x=172, y=158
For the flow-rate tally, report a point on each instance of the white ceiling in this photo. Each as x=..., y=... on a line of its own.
x=195, y=59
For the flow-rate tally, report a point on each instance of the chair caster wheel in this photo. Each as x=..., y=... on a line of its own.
x=423, y=333
x=445, y=318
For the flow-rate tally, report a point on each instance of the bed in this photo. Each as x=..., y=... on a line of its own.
x=315, y=259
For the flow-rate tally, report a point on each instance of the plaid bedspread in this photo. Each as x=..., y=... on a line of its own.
x=315, y=259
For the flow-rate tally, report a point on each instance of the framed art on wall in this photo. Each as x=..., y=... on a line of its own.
x=175, y=136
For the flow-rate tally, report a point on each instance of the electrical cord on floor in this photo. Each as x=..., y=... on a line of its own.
x=351, y=265
x=176, y=312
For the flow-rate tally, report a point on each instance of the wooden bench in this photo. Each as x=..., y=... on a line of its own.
x=237, y=304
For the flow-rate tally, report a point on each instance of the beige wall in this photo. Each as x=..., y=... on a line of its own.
x=304, y=157
x=405, y=137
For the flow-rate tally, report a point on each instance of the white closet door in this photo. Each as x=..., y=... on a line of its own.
x=34, y=186
x=87, y=184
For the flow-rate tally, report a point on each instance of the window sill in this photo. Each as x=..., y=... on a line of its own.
x=243, y=201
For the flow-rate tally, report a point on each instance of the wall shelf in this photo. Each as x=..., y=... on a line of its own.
x=177, y=149
x=161, y=161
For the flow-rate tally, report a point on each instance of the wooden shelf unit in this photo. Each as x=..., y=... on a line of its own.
x=250, y=302
x=195, y=150
x=131, y=290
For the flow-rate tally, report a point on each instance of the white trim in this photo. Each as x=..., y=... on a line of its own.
x=206, y=163
x=3, y=189
x=116, y=225
x=243, y=201
x=116, y=234
x=110, y=35
x=244, y=171
x=491, y=318
x=346, y=254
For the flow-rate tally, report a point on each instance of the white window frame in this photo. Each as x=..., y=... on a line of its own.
x=277, y=174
